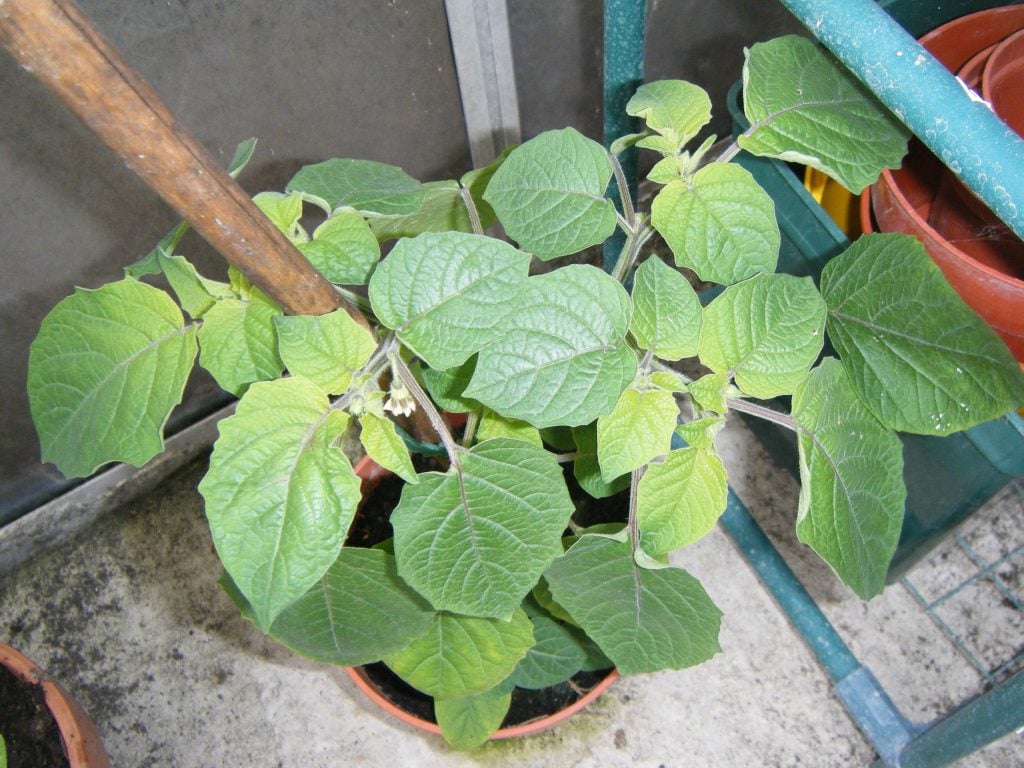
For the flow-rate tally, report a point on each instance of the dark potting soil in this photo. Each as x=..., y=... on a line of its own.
x=372, y=526
x=32, y=737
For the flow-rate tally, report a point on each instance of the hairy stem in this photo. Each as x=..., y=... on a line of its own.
x=763, y=412
x=469, y=433
x=474, y=214
x=728, y=153
x=360, y=302
x=635, y=240
x=634, y=527
x=371, y=371
x=437, y=422
x=662, y=368
x=627, y=201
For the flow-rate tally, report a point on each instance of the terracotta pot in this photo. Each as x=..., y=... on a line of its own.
x=955, y=42
x=82, y=743
x=371, y=473
x=1002, y=81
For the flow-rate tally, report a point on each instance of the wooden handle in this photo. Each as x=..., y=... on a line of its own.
x=54, y=41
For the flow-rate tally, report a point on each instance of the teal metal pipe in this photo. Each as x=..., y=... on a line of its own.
x=625, y=27
x=968, y=137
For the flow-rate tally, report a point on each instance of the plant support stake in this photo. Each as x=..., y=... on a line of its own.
x=953, y=122
x=54, y=41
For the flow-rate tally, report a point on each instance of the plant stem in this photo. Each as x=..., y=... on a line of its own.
x=360, y=302
x=437, y=422
x=563, y=458
x=474, y=214
x=763, y=412
x=662, y=368
x=472, y=422
x=634, y=242
x=374, y=367
x=728, y=153
x=634, y=527
x=623, y=185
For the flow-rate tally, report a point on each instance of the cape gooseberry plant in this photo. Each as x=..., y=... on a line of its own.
x=489, y=583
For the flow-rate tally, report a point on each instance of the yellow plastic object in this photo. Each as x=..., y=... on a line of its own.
x=839, y=203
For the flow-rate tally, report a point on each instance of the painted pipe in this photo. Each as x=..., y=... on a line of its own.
x=953, y=122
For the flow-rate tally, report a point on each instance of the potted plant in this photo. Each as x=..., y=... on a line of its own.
x=492, y=579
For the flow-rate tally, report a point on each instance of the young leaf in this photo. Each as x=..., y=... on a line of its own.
x=666, y=311
x=700, y=433
x=243, y=154
x=675, y=109
x=562, y=359
x=462, y=655
x=280, y=494
x=448, y=295
x=495, y=425
x=805, y=107
x=476, y=542
x=357, y=613
x=644, y=619
x=284, y=211
x=441, y=210
x=586, y=469
x=708, y=392
x=477, y=181
x=446, y=387
x=468, y=721
x=851, y=473
x=919, y=358
x=680, y=500
x=766, y=332
x=720, y=224
x=343, y=249
x=555, y=656
x=385, y=446
x=195, y=293
x=549, y=194
x=326, y=349
x=360, y=184
x=238, y=342
x=104, y=373
x=150, y=263
x=637, y=430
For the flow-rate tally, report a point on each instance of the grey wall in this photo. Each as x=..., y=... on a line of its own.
x=311, y=79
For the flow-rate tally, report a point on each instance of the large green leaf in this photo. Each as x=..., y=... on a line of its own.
x=357, y=613
x=563, y=358
x=469, y=721
x=104, y=373
x=549, y=194
x=462, y=655
x=675, y=109
x=805, y=107
x=280, y=494
x=343, y=249
x=448, y=295
x=384, y=445
x=555, y=656
x=361, y=184
x=637, y=430
x=238, y=342
x=644, y=619
x=587, y=470
x=919, y=358
x=327, y=349
x=494, y=425
x=851, y=472
x=681, y=499
x=719, y=223
x=476, y=541
x=766, y=332
x=666, y=311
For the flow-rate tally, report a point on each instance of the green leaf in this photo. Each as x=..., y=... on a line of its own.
x=623, y=143
x=562, y=359
x=919, y=358
x=476, y=541
x=765, y=332
x=477, y=181
x=709, y=392
x=343, y=249
x=243, y=154
x=675, y=109
x=670, y=381
x=680, y=500
x=542, y=594
x=238, y=342
x=446, y=387
x=284, y=211
x=586, y=469
x=555, y=656
x=104, y=373
x=719, y=223
x=637, y=430
x=326, y=349
x=448, y=295
x=384, y=446
x=360, y=184
x=280, y=494
x=805, y=107
x=150, y=263
x=462, y=655
x=700, y=433
x=549, y=194
x=494, y=425
x=195, y=293
x=666, y=311
x=644, y=619
x=851, y=472
x=468, y=721
x=357, y=613
x=441, y=209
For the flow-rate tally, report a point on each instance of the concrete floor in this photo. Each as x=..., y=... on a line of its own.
x=128, y=615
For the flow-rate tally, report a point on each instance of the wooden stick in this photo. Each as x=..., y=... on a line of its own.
x=54, y=41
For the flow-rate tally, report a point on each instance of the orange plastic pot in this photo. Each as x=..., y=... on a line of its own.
x=82, y=743
x=371, y=473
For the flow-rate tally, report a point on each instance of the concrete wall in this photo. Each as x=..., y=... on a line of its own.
x=311, y=79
